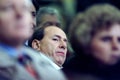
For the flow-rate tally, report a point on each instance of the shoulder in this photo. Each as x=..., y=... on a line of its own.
x=5, y=59
x=43, y=66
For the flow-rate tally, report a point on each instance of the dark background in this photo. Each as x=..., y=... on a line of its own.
x=75, y=6
x=81, y=4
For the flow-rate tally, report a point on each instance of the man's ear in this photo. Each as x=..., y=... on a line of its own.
x=36, y=44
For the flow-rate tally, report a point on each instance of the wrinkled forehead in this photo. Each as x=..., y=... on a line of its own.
x=17, y=2
x=55, y=31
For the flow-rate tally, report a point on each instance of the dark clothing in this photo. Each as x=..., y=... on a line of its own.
x=83, y=66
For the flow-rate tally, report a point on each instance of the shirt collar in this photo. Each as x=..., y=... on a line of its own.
x=51, y=62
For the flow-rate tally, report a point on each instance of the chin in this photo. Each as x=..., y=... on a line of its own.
x=60, y=63
x=22, y=37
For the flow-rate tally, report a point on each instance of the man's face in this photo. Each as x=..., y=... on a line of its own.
x=106, y=45
x=15, y=20
x=54, y=44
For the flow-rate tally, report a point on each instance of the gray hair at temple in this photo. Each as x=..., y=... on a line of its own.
x=48, y=10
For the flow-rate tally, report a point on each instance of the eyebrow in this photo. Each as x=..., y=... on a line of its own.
x=65, y=39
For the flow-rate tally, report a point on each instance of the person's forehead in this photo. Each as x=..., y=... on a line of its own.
x=32, y=8
x=53, y=31
x=17, y=2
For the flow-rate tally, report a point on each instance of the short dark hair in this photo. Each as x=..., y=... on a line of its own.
x=38, y=34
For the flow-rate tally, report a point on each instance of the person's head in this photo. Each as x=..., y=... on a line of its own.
x=98, y=34
x=15, y=21
x=48, y=16
x=52, y=41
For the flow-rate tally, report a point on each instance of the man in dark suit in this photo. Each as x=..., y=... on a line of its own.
x=18, y=62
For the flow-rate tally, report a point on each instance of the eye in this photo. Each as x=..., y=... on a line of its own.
x=65, y=40
x=55, y=39
x=106, y=38
x=33, y=14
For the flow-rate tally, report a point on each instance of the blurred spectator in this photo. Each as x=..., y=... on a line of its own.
x=18, y=62
x=47, y=16
x=52, y=42
x=94, y=36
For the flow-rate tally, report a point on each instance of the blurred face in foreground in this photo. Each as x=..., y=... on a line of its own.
x=16, y=24
x=106, y=45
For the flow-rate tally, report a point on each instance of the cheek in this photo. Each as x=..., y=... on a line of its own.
x=53, y=48
x=28, y=18
x=6, y=19
x=27, y=28
x=5, y=26
x=47, y=47
x=65, y=51
x=30, y=25
x=101, y=50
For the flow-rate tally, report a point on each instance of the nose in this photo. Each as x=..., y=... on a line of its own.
x=115, y=44
x=63, y=45
x=19, y=13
